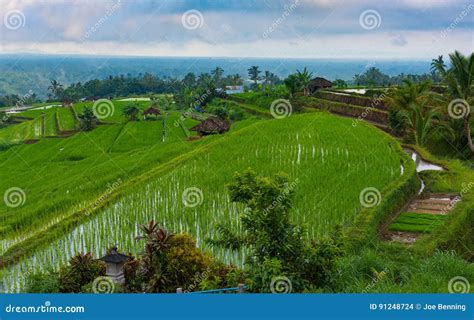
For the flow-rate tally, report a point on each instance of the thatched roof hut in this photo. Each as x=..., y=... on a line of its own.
x=151, y=111
x=318, y=83
x=212, y=125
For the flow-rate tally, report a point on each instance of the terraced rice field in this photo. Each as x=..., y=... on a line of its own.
x=329, y=163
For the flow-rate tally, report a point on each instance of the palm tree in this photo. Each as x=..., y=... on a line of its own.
x=56, y=88
x=291, y=83
x=415, y=104
x=236, y=79
x=304, y=79
x=254, y=74
x=437, y=64
x=131, y=112
x=217, y=74
x=460, y=79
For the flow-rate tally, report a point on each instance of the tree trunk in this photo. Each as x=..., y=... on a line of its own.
x=467, y=132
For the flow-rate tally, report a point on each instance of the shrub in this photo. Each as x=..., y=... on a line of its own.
x=81, y=270
x=43, y=282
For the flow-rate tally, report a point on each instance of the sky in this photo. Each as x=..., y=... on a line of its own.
x=338, y=29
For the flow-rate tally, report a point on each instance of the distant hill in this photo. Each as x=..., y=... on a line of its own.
x=23, y=72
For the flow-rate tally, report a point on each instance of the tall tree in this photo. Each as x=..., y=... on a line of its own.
x=254, y=73
x=217, y=75
x=56, y=89
x=459, y=79
x=418, y=107
x=304, y=79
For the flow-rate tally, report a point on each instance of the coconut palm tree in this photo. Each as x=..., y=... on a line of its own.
x=236, y=79
x=418, y=108
x=254, y=74
x=437, y=64
x=217, y=75
x=460, y=80
x=304, y=79
x=56, y=88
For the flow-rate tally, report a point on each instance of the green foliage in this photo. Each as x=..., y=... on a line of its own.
x=43, y=282
x=168, y=262
x=278, y=247
x=87, y=119
x=82, y=270
x=417, y=222
x=131, y=112
x=417, y=109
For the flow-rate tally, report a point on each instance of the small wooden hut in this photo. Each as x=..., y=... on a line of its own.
x=318, y=83
x=212, y=125
x=151, y=111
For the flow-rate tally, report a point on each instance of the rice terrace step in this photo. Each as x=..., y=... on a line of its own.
x=421, y=216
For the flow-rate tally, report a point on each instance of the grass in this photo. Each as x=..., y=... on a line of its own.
x=312, y=149
x=417, y=222
x=66, y=119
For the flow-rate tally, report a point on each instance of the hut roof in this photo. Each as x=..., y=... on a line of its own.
x=320, y=82
x=212, y=125
x=152, y=110
x=114, y=256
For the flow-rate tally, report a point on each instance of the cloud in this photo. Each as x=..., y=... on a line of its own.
x=230, y=28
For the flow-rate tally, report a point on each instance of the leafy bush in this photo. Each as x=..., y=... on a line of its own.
x=277, y=245
x=43, y=282
x=81, y=270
